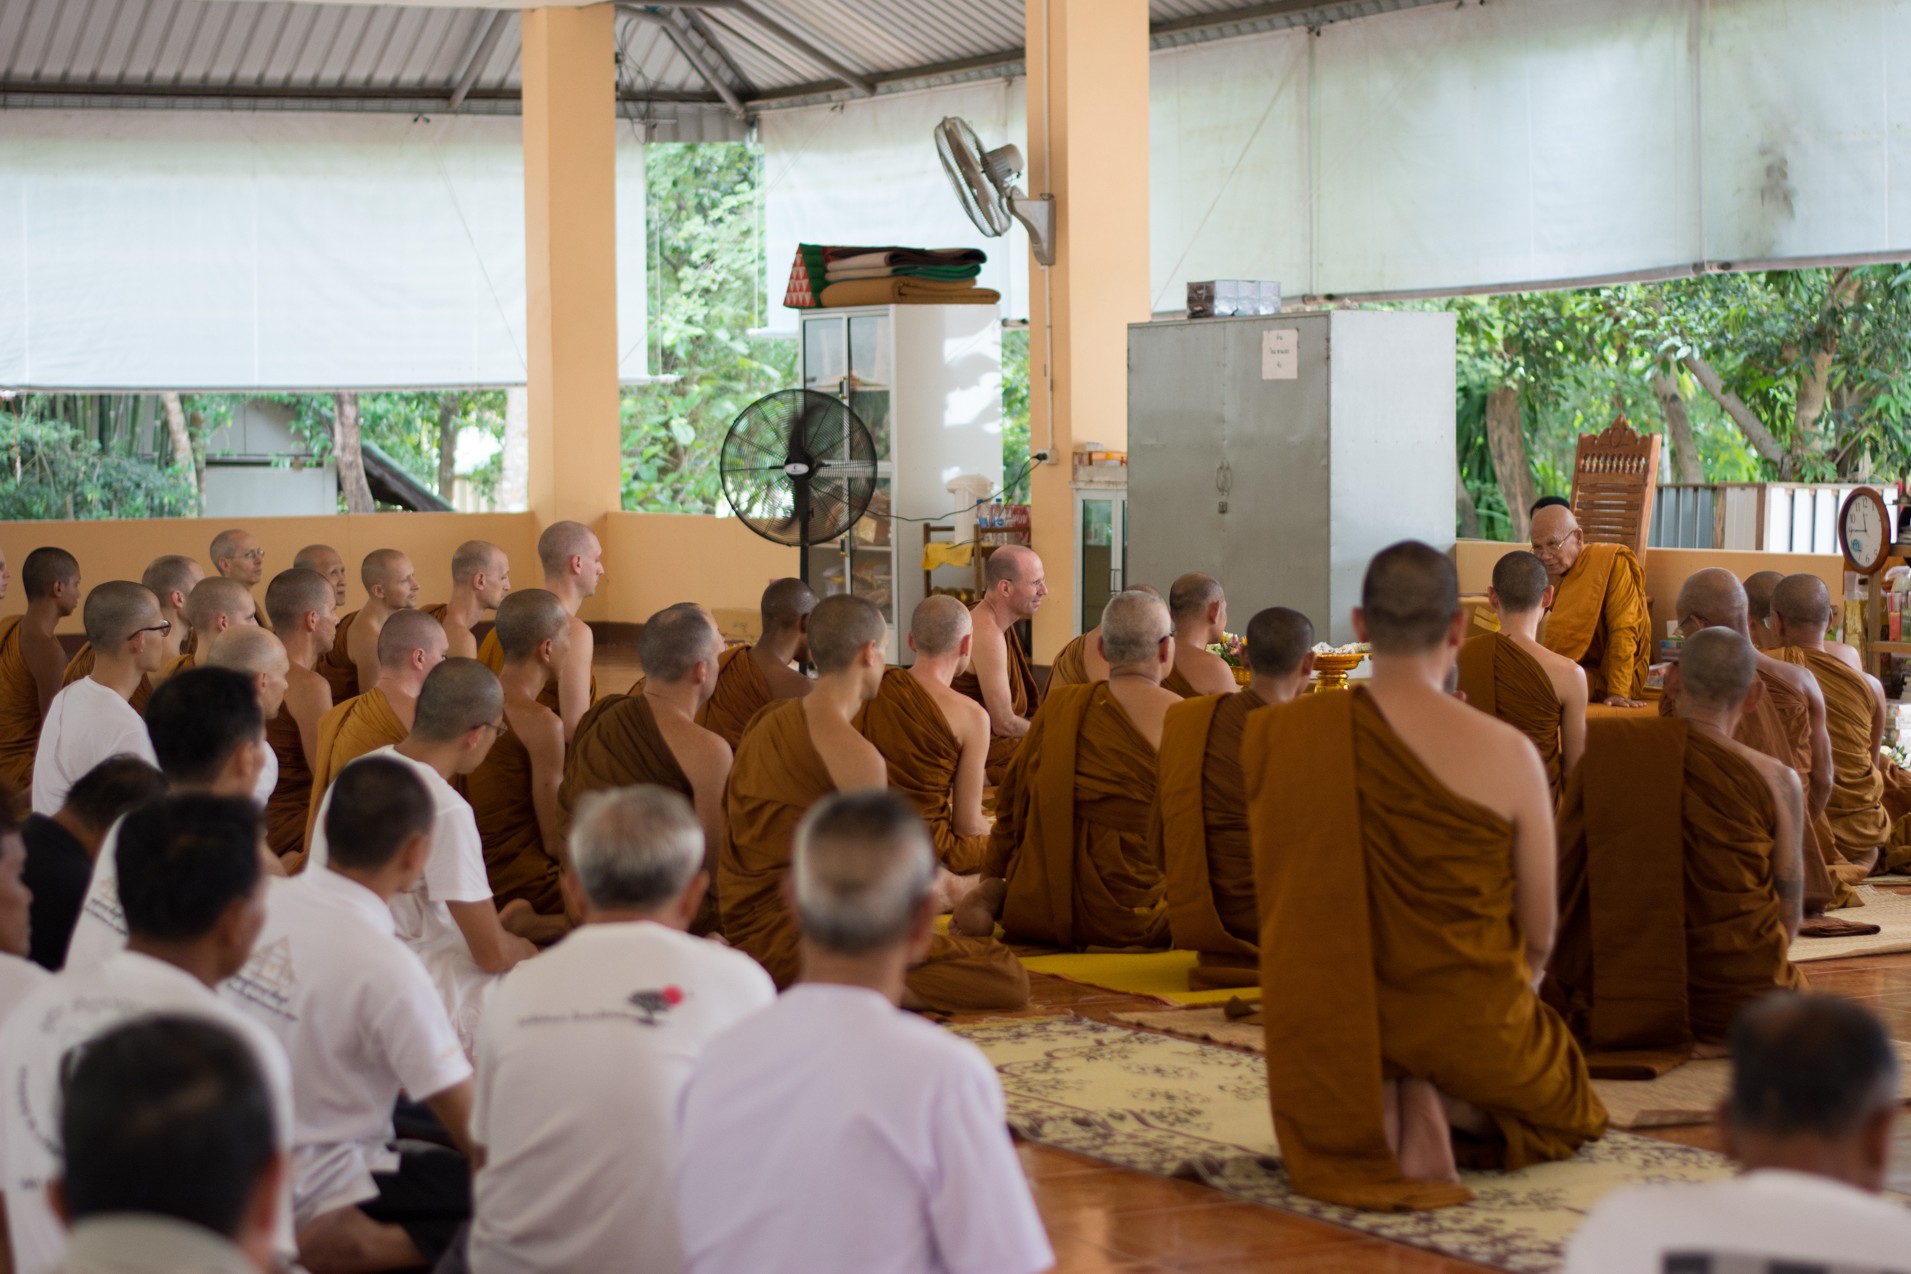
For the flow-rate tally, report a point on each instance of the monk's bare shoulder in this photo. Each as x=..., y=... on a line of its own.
x=853, y=761
x=698, y=749
x=307, y=694
x=1568, y=678
x=1478, y=756
x=967, y=719
x=1206, y=671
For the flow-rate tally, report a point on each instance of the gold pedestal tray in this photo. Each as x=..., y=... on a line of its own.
x=1330, y=671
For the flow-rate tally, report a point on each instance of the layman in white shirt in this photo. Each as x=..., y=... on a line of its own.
x=362, y=1023
x=191, y=878
x=832, y=1130
x=449, y=918
x=612, y=1018
x=93, y=718
x=258, y=656
x=1814, y=1097
x=209, y=739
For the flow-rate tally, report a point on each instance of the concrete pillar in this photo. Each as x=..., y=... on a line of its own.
x=570, y=249
x=1088, y=146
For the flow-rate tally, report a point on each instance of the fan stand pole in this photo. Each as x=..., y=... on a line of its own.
x=801, y=509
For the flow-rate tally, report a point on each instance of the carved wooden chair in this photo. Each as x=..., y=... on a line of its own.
x=1615, y=474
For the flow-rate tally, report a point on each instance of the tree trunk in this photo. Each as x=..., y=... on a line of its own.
x=1748, y=424
x=514, y=482
x=448, y=411
x=1469, y=513
x=1508, y=446
x=1686, y=465
x=184, y=458
x=351, y=460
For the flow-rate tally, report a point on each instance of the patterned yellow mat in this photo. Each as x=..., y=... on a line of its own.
x=1178, y=1108
x=1886, y=908
x=1162, y=974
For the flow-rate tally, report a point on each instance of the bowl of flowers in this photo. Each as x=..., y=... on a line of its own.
x=1232, y=648
x=1333, y=663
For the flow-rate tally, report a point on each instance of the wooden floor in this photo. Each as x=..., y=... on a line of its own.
x=1106, y=1220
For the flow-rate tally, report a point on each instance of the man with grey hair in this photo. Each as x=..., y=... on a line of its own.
x=93, y=718
x=611, y=1019
x=1814, y=1097
x=1070, y=862
x=1702, y=873
x=236, y=555
x=832, y=1132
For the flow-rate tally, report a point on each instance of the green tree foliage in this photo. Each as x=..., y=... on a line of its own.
x=52, y=470
x=1015, y=412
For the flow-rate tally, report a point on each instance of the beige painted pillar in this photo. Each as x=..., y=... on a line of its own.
x=570, y=250
x=1088, y=146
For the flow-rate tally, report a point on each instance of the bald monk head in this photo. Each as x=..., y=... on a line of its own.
x=846, y=635
x=785, y=611
x=216, y=604
x=1520, y=584
x=1280, y=643
x=324, y=559
x=676, y=642
x=941, y=626
x=637, y=852
x=389, y=579
x=1199, y=608
x=236, y=555
x=532, y=620
x=1137, y=636
x=572, y=559
x=302, y=601
x=1409, y=601
x=1801, y=610
x=259, y=656
x=171, y=579
x=1557, y=539
x=123, y=622
x=410, y=646
x=482, y=567
x=863, y=876
x=51, y=575
x=1758, y=606
x=1717, y=672
x=1013, y=582
x=460, y=708
x=1712, y=598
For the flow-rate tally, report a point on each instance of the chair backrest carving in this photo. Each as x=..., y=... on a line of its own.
x=1614, y=476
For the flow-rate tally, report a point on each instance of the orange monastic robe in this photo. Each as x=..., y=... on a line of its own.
x=1072, y=829
x=741, y=693
x=1204, y=839
x=1024, y=697
x=1178, y=682
x=19, y=715
x=336, y=666
x=1858, y=821
x=491, y=655
x=618, y=744
x=1669, y=918
x=1600, y=621
x=778, y=775
x=1071, y=664
x=922, y=753
x=1780, y=727
x=516, y=859
x=291, y=800
x=80, y=667
x=363, y=723
x=1389, y=948
x=1505, y=681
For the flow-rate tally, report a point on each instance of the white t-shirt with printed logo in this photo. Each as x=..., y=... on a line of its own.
x=581, y=1059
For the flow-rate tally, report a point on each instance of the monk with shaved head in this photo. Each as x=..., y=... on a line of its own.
x=260, y=657
x=1070, y=863
x=1511, y=675
x=999, y=676
x=798, y=752
x=1080, y=662
x=1398, y=1014
x=391, y=586
x=572, y=561
x=1854, y=719
x=32, y=661
x=480, y=577
x=410, y=645
x=301, y=604
x=754, y=674
x=214, y=605
x=1200, y=612
x=1203, y=830
x=934, y=741
x=236, y=555
x=1758, y=606
x=1679, y=862
x=324, y=559
x=171, y=579
x=93, y=719
x=514, y=792
x=1599, y=618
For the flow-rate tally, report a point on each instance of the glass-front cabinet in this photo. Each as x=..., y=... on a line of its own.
x=1101, y=545
x=849, y=355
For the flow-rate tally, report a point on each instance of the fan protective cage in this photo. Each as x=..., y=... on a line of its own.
x=792, y=448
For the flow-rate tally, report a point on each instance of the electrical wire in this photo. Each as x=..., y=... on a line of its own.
x=1028, y=467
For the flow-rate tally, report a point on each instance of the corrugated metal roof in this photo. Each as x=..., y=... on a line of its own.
x=675, y=60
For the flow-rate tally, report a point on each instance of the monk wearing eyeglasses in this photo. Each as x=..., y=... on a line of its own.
x=1599, y=618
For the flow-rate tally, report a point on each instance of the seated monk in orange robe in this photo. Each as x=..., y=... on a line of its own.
x=1510, y=675
x=513, y=791
x=391, y=585
x=171, y=578
x=1203, y=805
x=1080, y=662
x=1599, y=618
x=299, y=604
x=752, y=676
x=335, y=663
x=480, y=579
x=1200, y=612
x=1854, y=718
x=797, y=752
x=935, y=742
x=214, y=605
x=1680, y=874
x=410, y=646
x=573, y=563
x=999, y=675
x=31, y=663
x=1071, y=861
x=1403, y=854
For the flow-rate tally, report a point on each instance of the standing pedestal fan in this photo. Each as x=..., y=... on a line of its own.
x=798, y=468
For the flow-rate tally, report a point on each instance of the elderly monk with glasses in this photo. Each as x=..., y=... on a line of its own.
x=1599, y=618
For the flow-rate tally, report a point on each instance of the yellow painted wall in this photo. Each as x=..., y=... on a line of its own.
x=655, y=560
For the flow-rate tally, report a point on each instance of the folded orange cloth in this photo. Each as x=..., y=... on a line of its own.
x=919, y=291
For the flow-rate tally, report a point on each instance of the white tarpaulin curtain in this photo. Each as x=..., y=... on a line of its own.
x=1523, y=142
x=237, y=251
